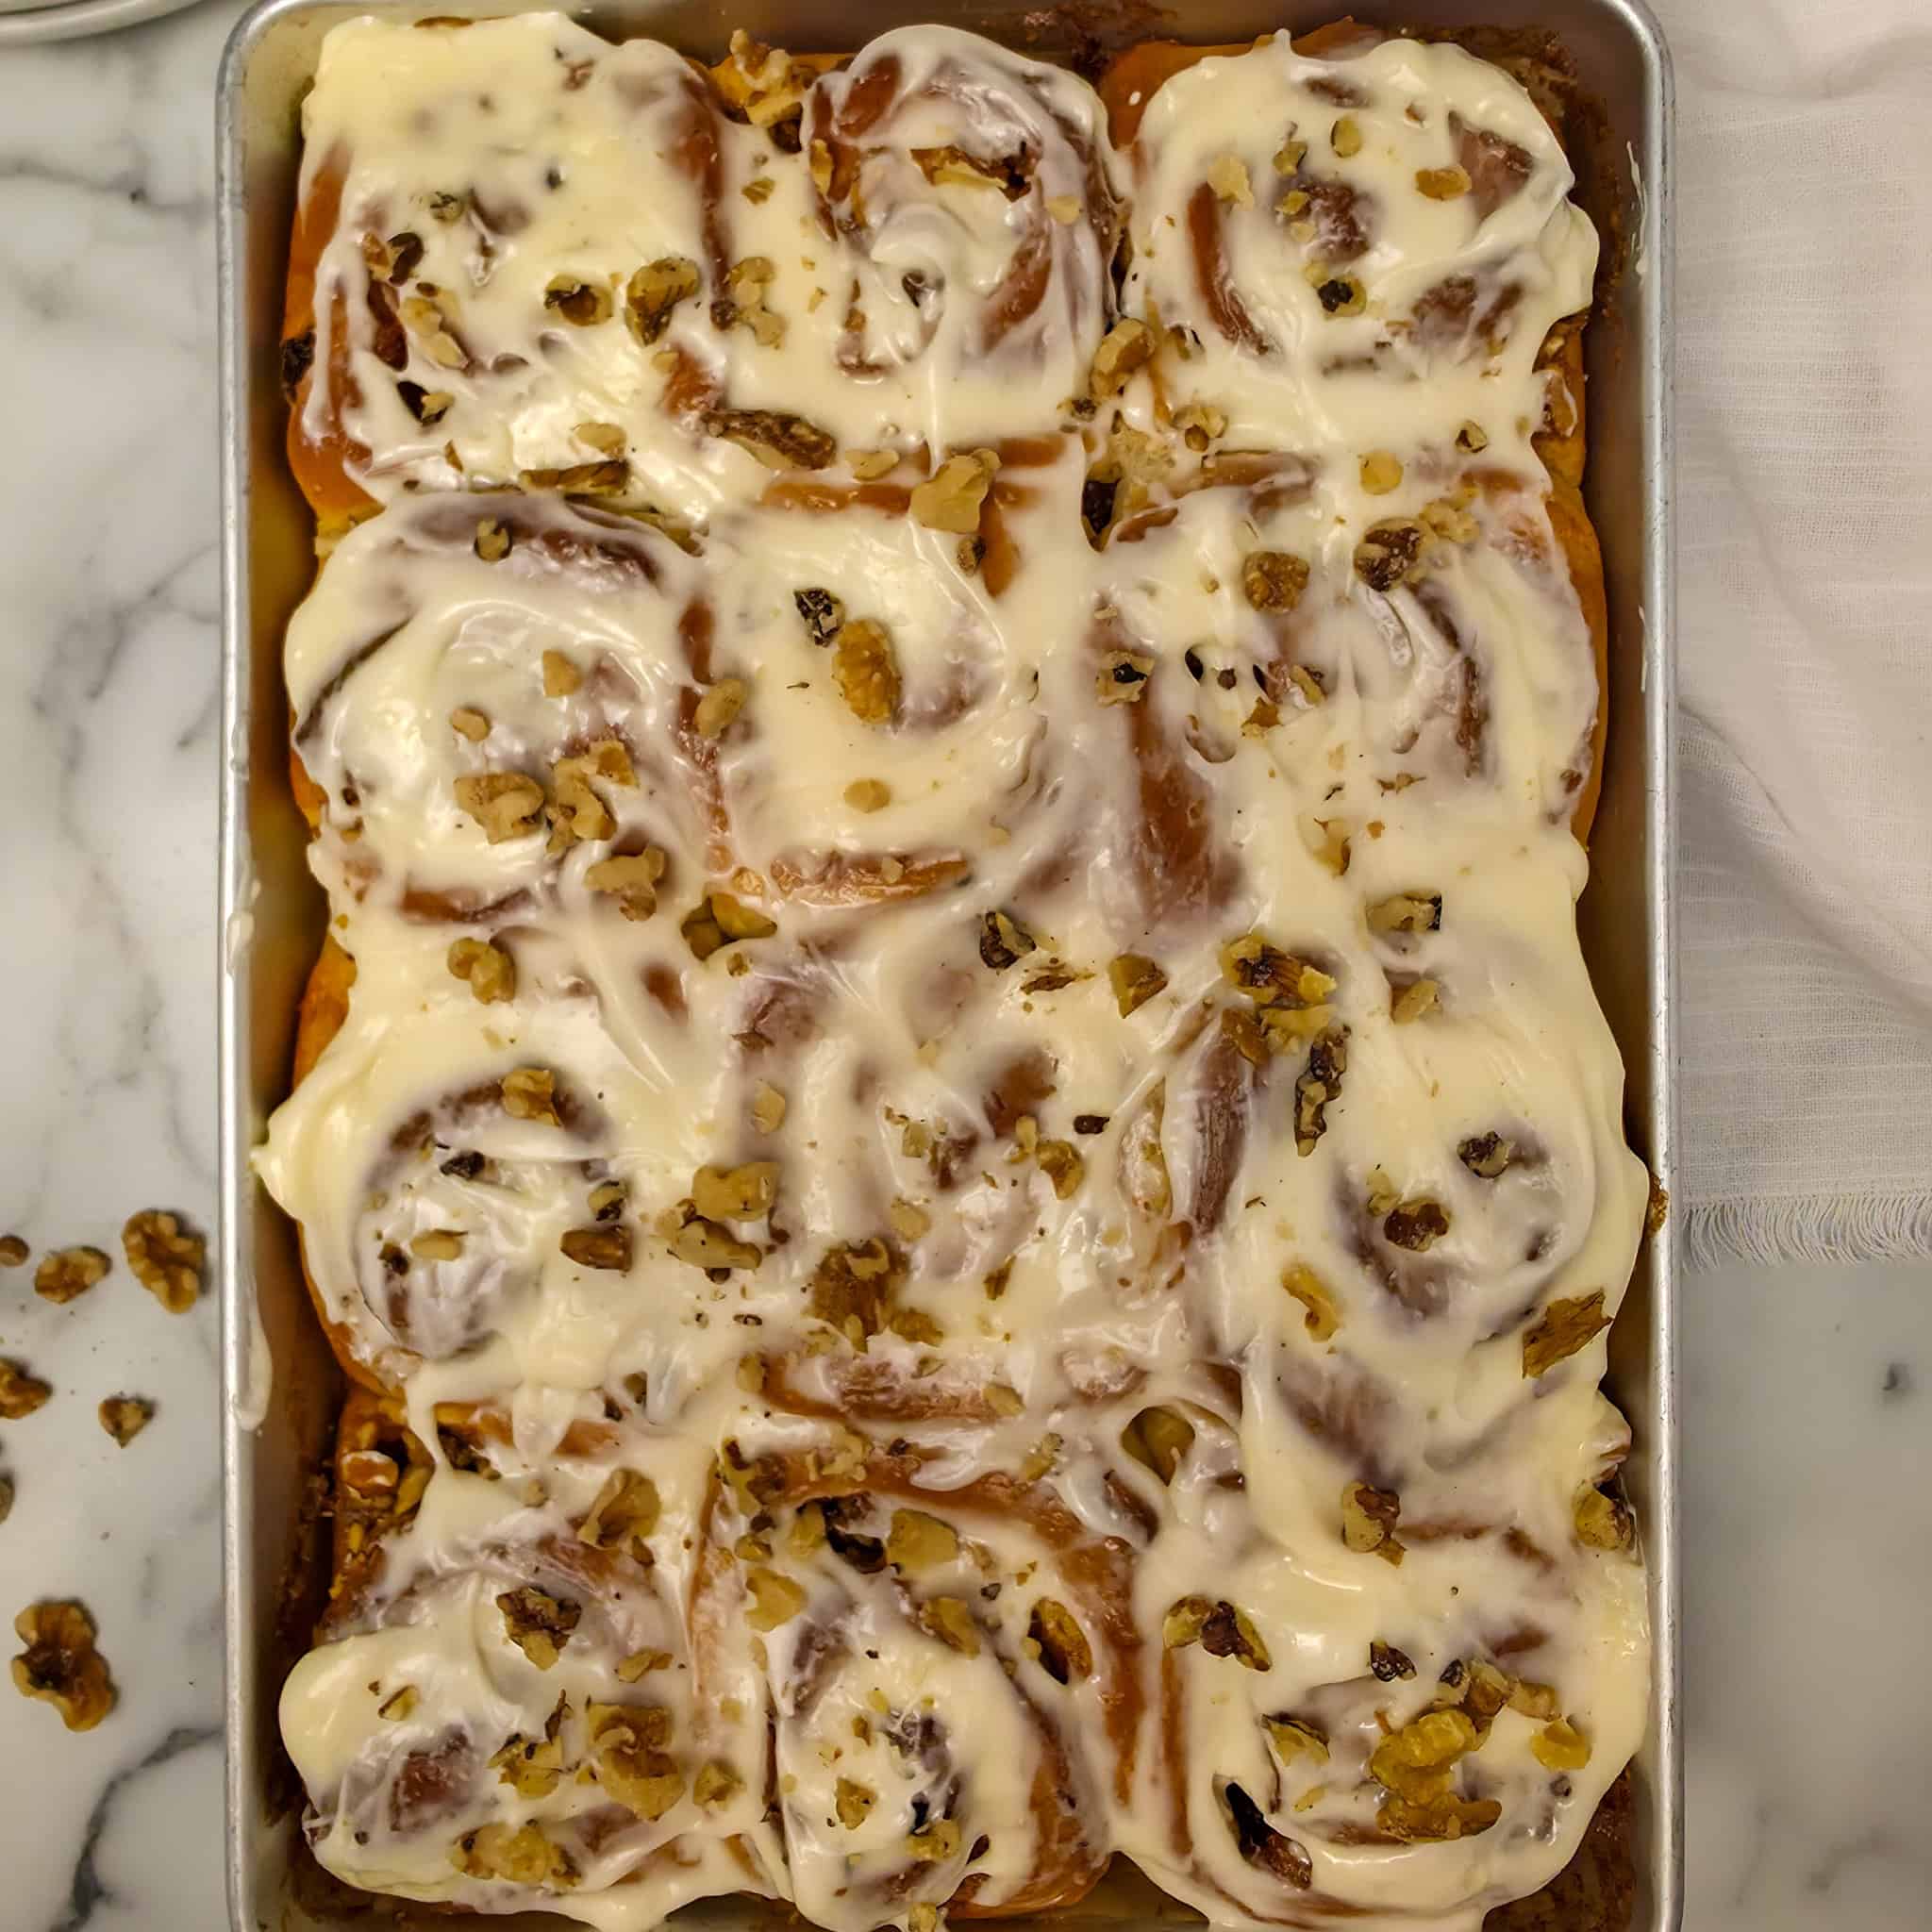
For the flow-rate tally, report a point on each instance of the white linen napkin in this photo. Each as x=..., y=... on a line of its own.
x=1805, y=624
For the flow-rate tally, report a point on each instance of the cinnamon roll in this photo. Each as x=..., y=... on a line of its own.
x=952, y=1124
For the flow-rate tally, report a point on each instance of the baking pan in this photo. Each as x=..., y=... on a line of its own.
x=280, y=1385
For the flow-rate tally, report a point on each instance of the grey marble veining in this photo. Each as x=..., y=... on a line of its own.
x=1807, y=1394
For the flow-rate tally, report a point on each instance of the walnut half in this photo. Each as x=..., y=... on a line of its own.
x=68, y=1272
x=60, y=1665
x=165, y=1257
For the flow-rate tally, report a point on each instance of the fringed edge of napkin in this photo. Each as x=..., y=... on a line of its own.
x=1892, y=1226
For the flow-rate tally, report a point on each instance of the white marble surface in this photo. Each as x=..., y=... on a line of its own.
x=1808, y=1396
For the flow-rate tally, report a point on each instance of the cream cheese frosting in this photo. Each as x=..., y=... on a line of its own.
x=970, y=1131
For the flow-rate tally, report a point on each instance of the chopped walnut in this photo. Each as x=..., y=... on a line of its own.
x=716, y=1785
x=1380, y=473
x=1369, y=1517
x=1134, y=981
x=532, y=1766
x=1602, y=1521
x=1318, y=1083
x=1122, y=676
x=868, y=466
x=1328, y=843
x=1060, y=1163
x=1388, y=553
x=639, y=1665
x=581, y=303
x=952, y=497
x=950, y=1619
x=606, y=1248
x=1450, y=521
x=1562, y=1328
x=868, y=794
x=1324, y=1317
x=718, y=708
x=1218, y=1628
x=124, y=1417
x=519, y=1856
x=1002, y=941
x=1227, y=175
x=821, y=612
x=1561, y=1746
x=1441, y=184
x=538, y=1623
x=1158, y=1438
x=1345, y=136
x=19, y=1393
x=1409, y=912
x=654, y=292
x=767, y=85
x=1415, y=1224
x=1388, y=1664
x=529, y=1093
x=622, y=1513
x=505, y=804
x=939, y=1840
x=742, y=304
x=68, y=1272
x=1337, y=291
x=706, y=1243
x=1273, y=579
x=853, y=1287
x=1200, y=424
x=1487, y=1156
x=853, y=1802
x=427, y=317
x=767, y=1108
x=467, y=721
x=1474, y=438
x=917, y=1542
x=1269, y=976
x=608, y=438
x=775, y=1599
x=866, y=669
x=561, y=676
x=13, y=1251
x=736, y=1194
x=1293, y=1738
x=1538, y=1701
x=1413, y=1002
x=1415, y=1766
x=778, y=441
x=491, y=971
x=718, y=919
x=60, y=1665
x=1054, y=1635
x=578, y=812
x=631, y=879
x=6, y=1497
x=1128, y=345
x=165, y=1257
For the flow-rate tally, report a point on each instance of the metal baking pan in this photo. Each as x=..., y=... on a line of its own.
x=280, y=1385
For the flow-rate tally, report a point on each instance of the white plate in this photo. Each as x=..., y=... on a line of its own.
x=77, y=17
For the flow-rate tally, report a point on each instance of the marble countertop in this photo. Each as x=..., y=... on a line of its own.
x=1807, y=1393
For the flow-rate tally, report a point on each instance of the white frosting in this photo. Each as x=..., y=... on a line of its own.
x=931, y=1094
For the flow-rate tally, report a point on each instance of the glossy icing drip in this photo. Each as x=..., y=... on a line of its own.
x=1139, y=1134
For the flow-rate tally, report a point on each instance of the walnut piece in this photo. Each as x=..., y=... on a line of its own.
x=1127, y=347
x=538, y=1623
x=1562, y=1328
x=529, y=1093
x=631, y=879
x=1602, y=1521
x=491, y=971
x=1415, y=1765
x=853, y=1287
x=821, y=612
x=1324, y=1317
x=1413, y=1002
x=1388, y=553
x=467, y=721
x=1218, y=1628
x=505, y=804
x=1122, y=678
x=950, y=1619
x=1134, y=979
x=1416, y=1224
x=19, y=1393
x=779, y=441
x=736, y=1194
x=519, y=1856
x=622, y=1513
x=1261, y=1845
x=1060, y=1163
x=13, y=1251
x=853, y=1802
x=1369, y=1517
x=124, y=1417
x=1561, y=1746
x=718, y=709
x=706, y=1243
x=530, y=1766
x=1442, y=184
x=166, y=1259
x=917, y=1542
x=581, y=303
x=866, y=669
x=775, y=1599
x=718, y=920
x=1065, y=1655
x=1273, y=579
x=1381, y=472
x=951, y=498
x=1318, y=1083
x=1295, y=1737
x=1406, y=912
x=60, y=1665
x=68, y=1272
x=598, y=1247
x=654, y=292
x=561, y=676
x=868, y=794
x=1387, y=1664
x=1002, y=941
x=716, y=1785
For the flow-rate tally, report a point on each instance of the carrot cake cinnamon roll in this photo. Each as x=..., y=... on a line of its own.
x=952, y=1126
